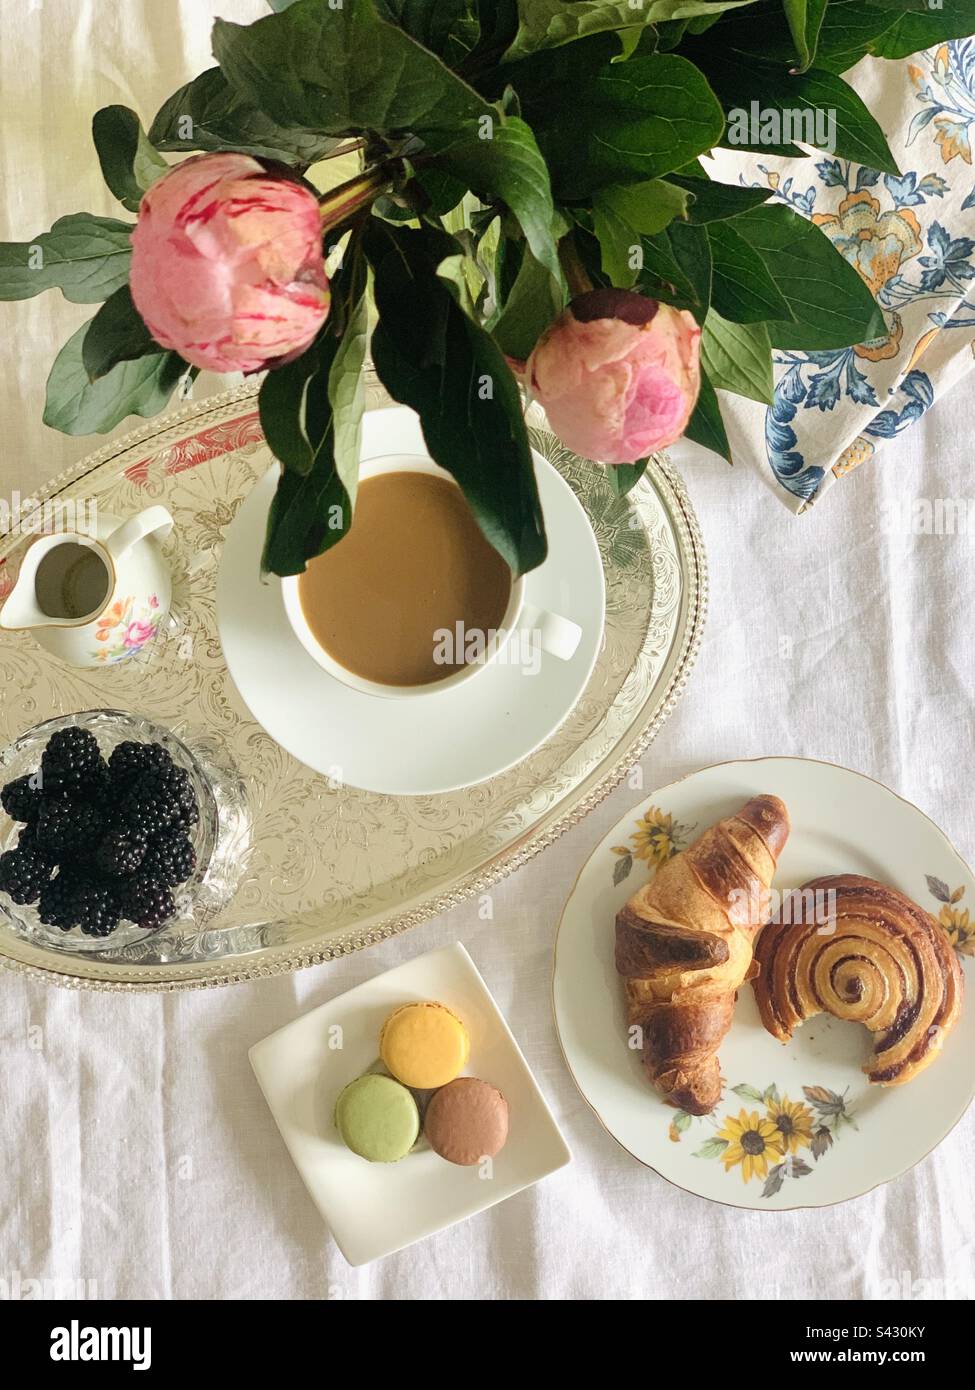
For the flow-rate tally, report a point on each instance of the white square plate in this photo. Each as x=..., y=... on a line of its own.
x=374, y=1209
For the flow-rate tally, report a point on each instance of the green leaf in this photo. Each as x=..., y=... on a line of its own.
x=849, y=30
x=620, y=247
x=771, y=1096
x=706, y=426
x=709, y=201
x=663, y=278
x=499, y=159
x=805, y=20
x=682, y=1121
x=623, y=477
x=911, y=32
x=449, y=28
x=207, y=114
x=742, y=288
x=711, y=1148
x=828, y=113
x=295, y=413
x=433, y=358
x=534, y=300
x=551, y=23
x=116, y=334
x=643, y=118
x=77, y=405
x=831, y=305
x=747, y=1092
x=346, y=384
x=308, y=515
x=737, y=357
x=342, y=72
x=130, y=164
x=647, y=207
x=86, y=257
x=692, y=252
x=311, y=414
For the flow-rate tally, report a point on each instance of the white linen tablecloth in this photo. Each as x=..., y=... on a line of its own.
x=137, y=1153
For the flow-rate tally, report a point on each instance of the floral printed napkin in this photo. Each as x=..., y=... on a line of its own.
x=912, y=239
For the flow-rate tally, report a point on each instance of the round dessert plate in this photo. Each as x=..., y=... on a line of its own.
x=430, y=743
x=848, y=1136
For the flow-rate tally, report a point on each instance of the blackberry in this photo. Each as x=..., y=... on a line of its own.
x=130, y=760
x=149, y=814
x=97, y=788
x=179, y=786
x=56, y=897
x=92, y=906
x=146, y=901
x=67, y=828
x=120, y=852
x=21, y=799
x=28, y=840
x=173, y=860
x=23, y=874
x=72, y=764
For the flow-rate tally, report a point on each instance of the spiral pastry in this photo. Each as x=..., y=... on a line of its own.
x=882, y=961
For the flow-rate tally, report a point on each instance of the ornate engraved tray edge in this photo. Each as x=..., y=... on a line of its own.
x=594, y=789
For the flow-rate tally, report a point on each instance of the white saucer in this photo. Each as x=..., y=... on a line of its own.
x=435, y=743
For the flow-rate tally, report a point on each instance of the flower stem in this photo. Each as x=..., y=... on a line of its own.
x=571, y=262
x=341, y=204
x=349, y=148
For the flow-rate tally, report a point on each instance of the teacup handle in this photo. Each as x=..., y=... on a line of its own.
x=559, y=636
x=153, y=521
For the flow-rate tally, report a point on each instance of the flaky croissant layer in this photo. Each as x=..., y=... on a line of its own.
x=684, y=946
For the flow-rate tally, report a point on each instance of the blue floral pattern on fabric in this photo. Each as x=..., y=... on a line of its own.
x=903, y=239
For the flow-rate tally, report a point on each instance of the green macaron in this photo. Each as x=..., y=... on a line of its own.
x=377, y=1118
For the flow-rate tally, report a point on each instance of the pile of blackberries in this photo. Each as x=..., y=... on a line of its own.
x=102, y=842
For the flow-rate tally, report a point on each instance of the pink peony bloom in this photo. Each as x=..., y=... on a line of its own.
x=227, y=263
x=618, y=374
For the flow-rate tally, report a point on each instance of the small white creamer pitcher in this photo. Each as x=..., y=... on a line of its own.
x=94, y=599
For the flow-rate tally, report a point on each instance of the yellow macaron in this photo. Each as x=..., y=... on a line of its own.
x=424, y=1045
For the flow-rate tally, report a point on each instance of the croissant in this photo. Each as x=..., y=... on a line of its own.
x=684, y=946
x=879, y=960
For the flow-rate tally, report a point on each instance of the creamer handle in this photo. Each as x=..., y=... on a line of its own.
x=154, y=521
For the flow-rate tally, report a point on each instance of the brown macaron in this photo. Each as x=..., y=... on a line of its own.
x=466, y=1121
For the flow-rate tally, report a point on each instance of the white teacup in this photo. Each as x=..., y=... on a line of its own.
x=537, y=628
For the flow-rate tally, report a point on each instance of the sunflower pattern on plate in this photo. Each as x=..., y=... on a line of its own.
x=774, y=1140
x=656, y=839
x=955, y=920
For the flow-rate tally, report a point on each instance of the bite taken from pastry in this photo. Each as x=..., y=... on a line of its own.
x=684, y=946
x=872, y=957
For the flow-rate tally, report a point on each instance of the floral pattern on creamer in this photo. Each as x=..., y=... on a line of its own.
x=121, y=632
x=774, y=1141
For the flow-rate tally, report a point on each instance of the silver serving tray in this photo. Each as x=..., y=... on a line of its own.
x=333, y=869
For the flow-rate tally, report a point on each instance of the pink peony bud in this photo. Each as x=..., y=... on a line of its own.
x=618, y=374
x=227, y=263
